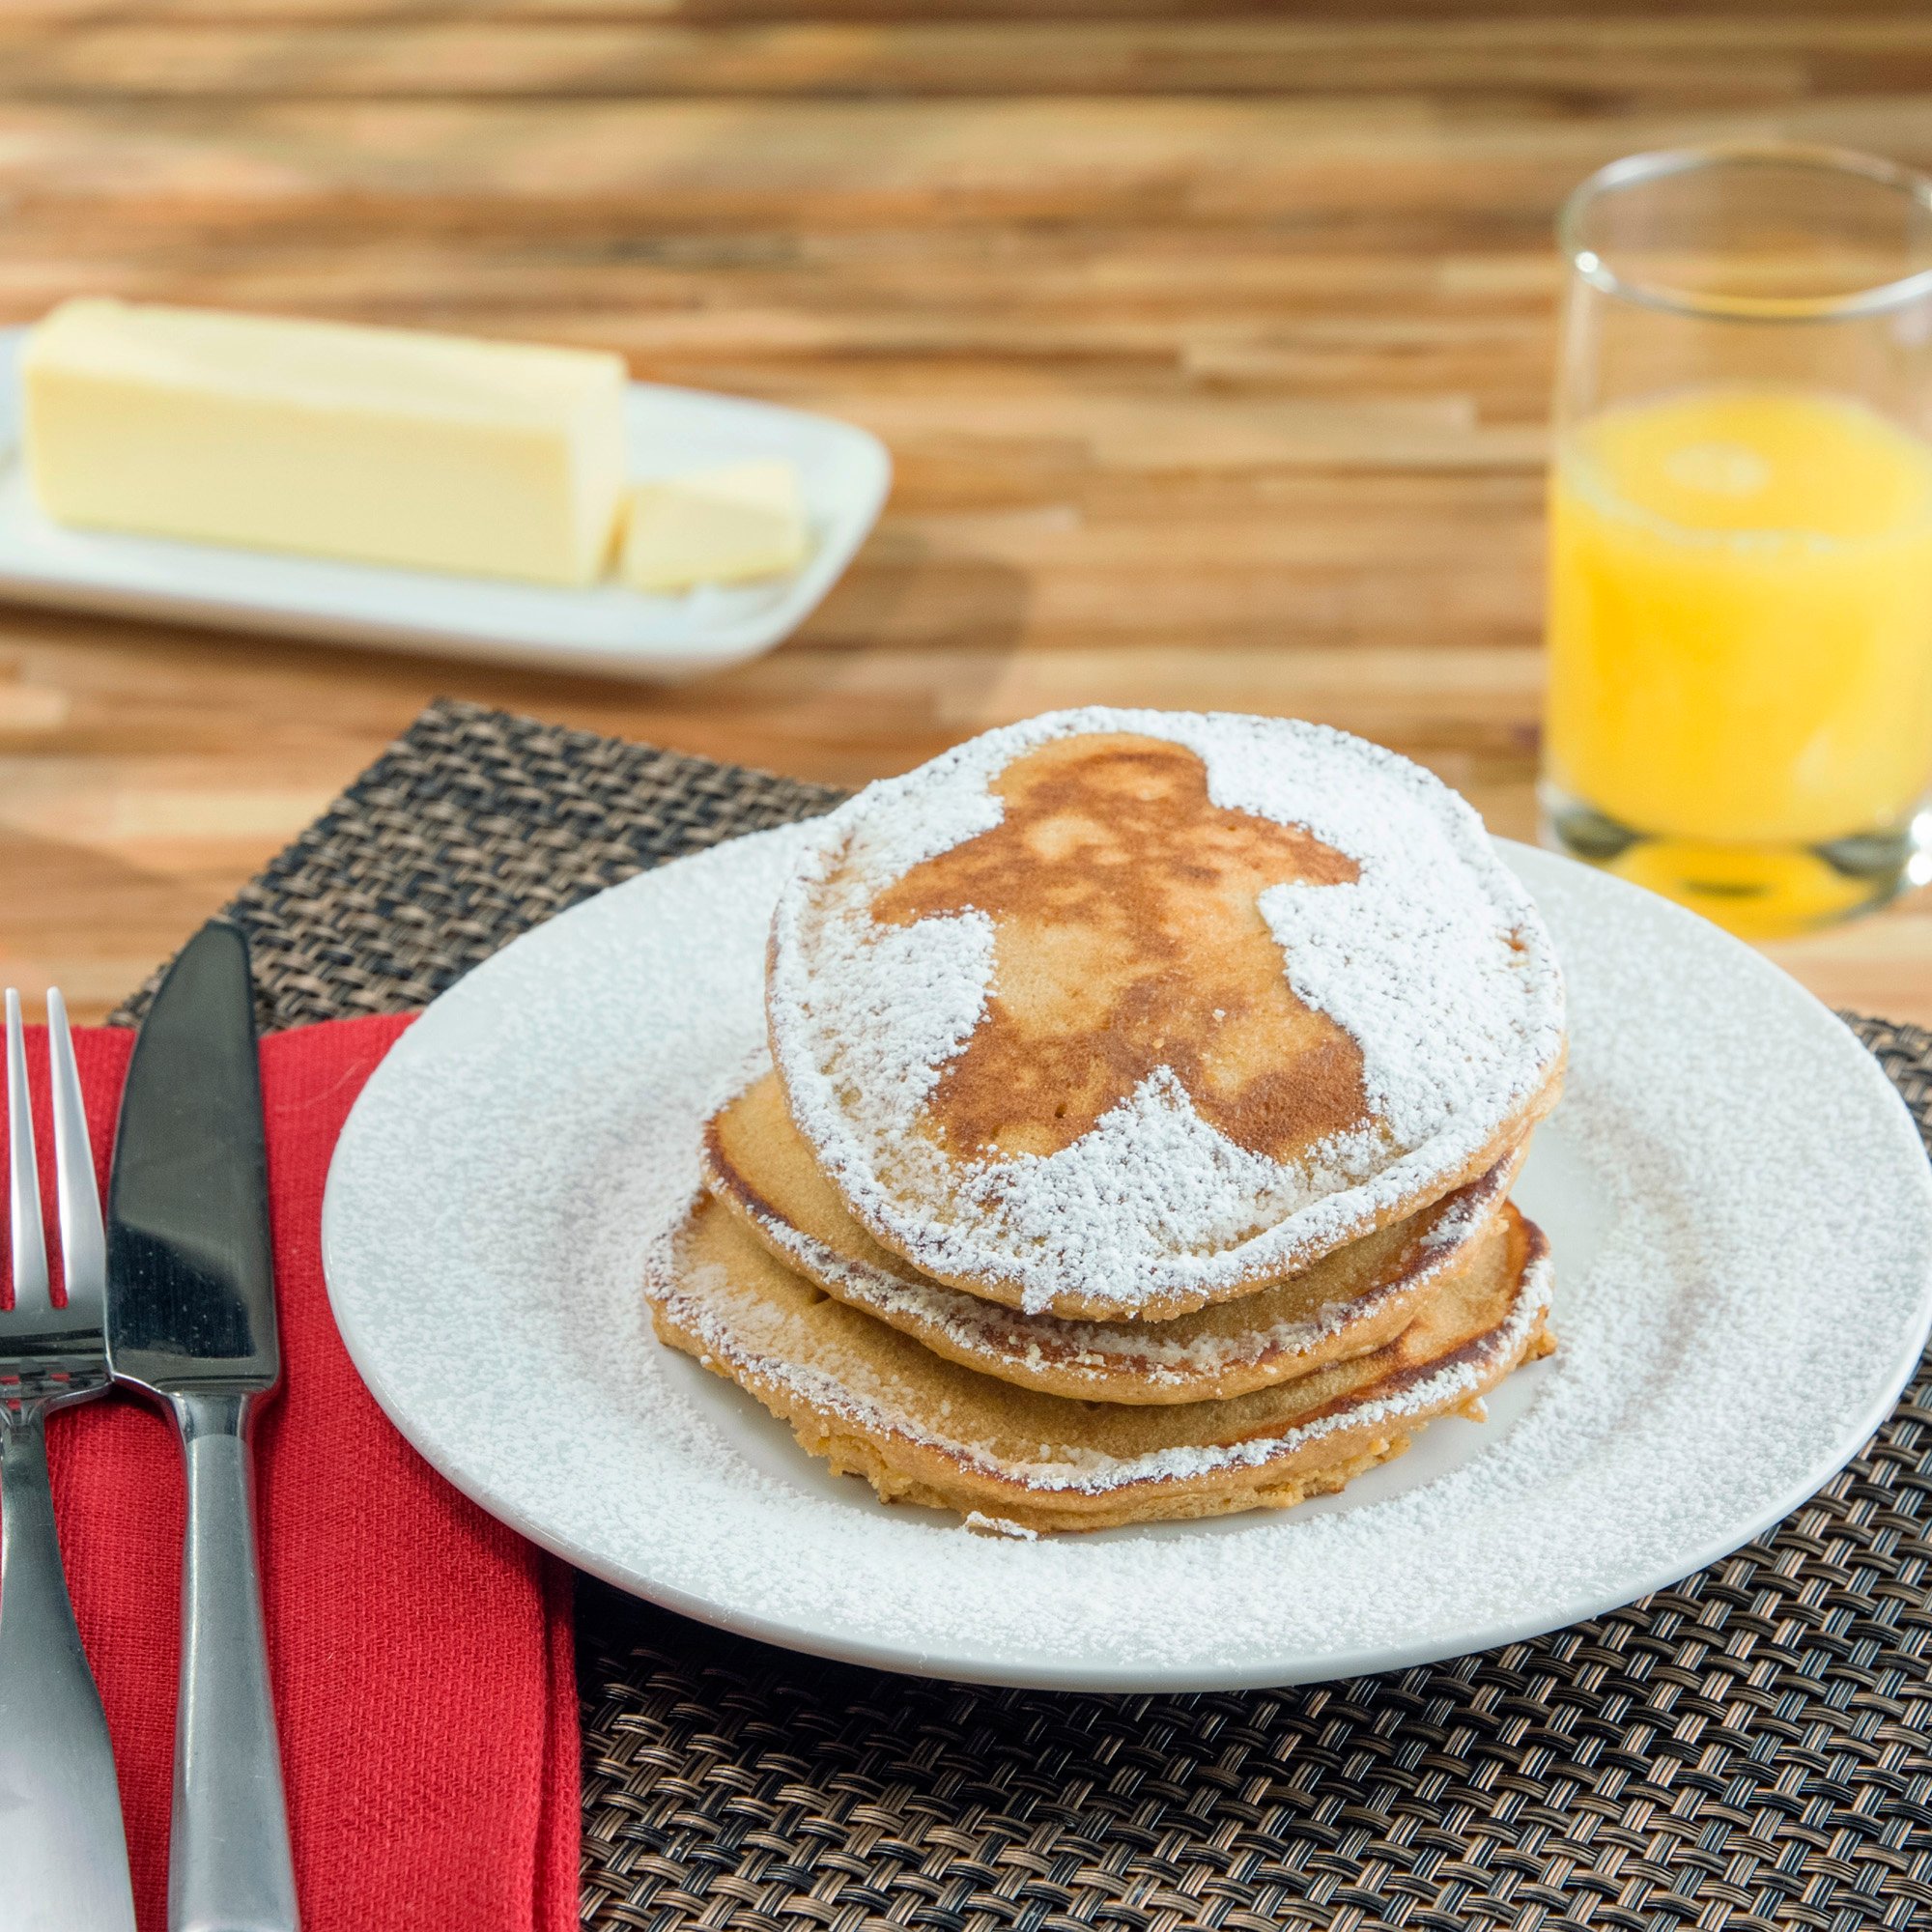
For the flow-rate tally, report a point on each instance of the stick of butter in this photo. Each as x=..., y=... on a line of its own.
x=388, y=445
x=722, y=526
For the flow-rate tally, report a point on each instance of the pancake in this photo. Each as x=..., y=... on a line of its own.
x=1120, y=1014
x=874, y=1403
x=1347, y=1303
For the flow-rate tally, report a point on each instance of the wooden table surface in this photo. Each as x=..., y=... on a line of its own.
x=1212, y=349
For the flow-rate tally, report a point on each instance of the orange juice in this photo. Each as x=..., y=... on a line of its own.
x=1741, y=619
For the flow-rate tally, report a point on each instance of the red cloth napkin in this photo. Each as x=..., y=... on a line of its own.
x=420, y=1651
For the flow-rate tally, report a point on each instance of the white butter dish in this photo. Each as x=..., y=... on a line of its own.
x=844, y=475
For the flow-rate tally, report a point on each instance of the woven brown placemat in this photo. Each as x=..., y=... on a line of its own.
x=1750, y=1749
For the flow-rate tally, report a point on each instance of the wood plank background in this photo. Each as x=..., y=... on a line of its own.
x=1212, y=346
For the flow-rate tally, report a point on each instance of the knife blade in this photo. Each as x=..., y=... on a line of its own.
x=188, y=1255
x=191, y=1321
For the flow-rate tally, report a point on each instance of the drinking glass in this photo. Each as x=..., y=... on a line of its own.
x=1740, y=617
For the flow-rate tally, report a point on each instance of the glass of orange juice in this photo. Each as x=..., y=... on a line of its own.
x=1740, y=629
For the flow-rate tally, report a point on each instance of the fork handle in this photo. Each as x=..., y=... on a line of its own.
x=62, y=1849
x=229, y=1864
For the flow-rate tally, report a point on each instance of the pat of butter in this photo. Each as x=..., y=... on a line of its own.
x=723, y=526
x=385, y=446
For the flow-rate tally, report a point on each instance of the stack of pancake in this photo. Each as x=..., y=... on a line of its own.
x=1145, y=1094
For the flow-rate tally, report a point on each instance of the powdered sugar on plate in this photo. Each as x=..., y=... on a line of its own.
x=1435, y=961
x=1742, y=1229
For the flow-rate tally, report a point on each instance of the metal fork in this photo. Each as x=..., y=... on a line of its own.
x=62, y=1854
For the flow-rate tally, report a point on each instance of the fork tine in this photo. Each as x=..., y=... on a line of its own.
x=82, y=1237
x=27, y=1236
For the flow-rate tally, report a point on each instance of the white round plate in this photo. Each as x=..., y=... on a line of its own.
x=1740, y=1208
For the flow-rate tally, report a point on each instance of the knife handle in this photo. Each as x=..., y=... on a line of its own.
x=229, y=1866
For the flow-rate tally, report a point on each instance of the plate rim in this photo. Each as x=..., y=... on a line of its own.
x=1129, y=1677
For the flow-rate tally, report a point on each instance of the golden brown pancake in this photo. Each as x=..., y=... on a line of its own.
x=1119, y=1016
x=874, y=1403
x=1348, y=1303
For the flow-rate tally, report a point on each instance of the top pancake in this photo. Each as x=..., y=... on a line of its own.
x=1119, y=1013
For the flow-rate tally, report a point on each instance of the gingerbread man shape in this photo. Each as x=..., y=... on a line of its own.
x=1128, y=939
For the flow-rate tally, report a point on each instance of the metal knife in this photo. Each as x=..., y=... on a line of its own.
x=191, y=1321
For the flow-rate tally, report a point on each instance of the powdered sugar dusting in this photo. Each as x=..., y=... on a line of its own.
x=1435, y=961
x=982, y=1525
x=907, y=1000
